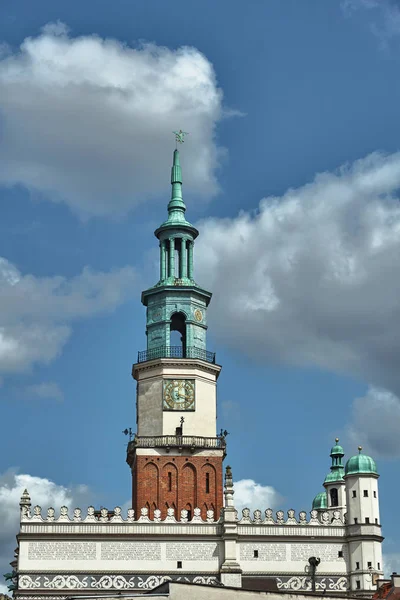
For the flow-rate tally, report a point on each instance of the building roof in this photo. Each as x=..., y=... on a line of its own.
x=336, y=473
x=320, y=501
x=335, y=476
x=360, y=463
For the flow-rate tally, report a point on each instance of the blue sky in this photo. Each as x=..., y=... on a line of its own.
x=303, y=267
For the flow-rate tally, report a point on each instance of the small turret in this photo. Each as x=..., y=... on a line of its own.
x=320, y=502
x=363, y=522
x=334, y=482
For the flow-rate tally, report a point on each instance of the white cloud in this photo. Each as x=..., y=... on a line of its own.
x=48, y=390
x=89, y=121
x=312, y=277
x=385, y=17
x=391, y=563
x=37, y=312
x=375, y=423
x=44, y=492
x=249, y=494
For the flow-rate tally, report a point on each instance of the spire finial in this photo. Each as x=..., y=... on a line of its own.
x=180, y=137
x=359, y=449
x=336, y=440
x=176, y=206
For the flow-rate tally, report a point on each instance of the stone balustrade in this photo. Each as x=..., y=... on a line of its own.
x=105, y=516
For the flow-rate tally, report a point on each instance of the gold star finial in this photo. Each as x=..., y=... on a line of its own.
x=180, y=136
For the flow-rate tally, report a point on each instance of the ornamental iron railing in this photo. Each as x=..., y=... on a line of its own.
x=176, y=352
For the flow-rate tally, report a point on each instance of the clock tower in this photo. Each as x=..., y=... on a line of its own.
x=176, y=455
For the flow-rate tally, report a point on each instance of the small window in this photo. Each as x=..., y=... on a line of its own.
x=179, y=564
x=334, y=497
x=369, y=565
x=376, y=521
x=367, y=519
x=170, y=481
x=374, y=494
x=207, y=483
x=340, y=553
x=355, y=520
x=354, y=494
x=379, y=566
x=357, y=565
x=365, y=493
x=358, y=584
x=255, y=553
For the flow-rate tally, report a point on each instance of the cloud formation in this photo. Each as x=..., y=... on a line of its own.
x=385, y=23
x=375, y=423
x=249, y=494
x=46, y=390
x=391, y=563
x=312, y=278
x=89, y=121
x=37, y=312
x=43, y=492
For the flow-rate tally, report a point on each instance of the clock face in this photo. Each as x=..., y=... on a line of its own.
x=178, y=394
x=198, y=315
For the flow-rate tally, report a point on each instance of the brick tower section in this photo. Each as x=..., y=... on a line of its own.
x=179, y=482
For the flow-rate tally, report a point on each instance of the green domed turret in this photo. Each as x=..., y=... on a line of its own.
x=320, y=501
x=336, y=449
x=335, y=476
x=360, y=463
x=337, y=470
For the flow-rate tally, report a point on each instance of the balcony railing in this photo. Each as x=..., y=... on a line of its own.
x=176, y=352
x=177, y=441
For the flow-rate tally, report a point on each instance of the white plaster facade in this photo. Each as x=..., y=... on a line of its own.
x=152, y=420
x=89, y=553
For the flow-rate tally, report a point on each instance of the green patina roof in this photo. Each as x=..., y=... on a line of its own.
x=176, y=206
x=337, y=470
x=335, y=476
x=360, y=463
x=337, y=450
x=320, y=501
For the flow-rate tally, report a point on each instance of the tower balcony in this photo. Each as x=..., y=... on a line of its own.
x=177, y=442
x=176, y=352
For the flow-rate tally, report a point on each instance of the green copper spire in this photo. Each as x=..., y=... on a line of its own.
x=176, y=303
x=176, y=206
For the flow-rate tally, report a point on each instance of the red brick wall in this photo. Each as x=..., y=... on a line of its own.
x=179, y=482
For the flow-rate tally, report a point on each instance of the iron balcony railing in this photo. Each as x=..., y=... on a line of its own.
x=176, y=352
x=177, y=441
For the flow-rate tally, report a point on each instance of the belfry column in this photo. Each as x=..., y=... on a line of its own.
x=183, y=257
x=162, y=260
x=171, y=257
x=190, y=261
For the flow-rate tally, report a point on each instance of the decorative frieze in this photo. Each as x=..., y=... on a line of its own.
x=106, y=581
x=303, y=583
